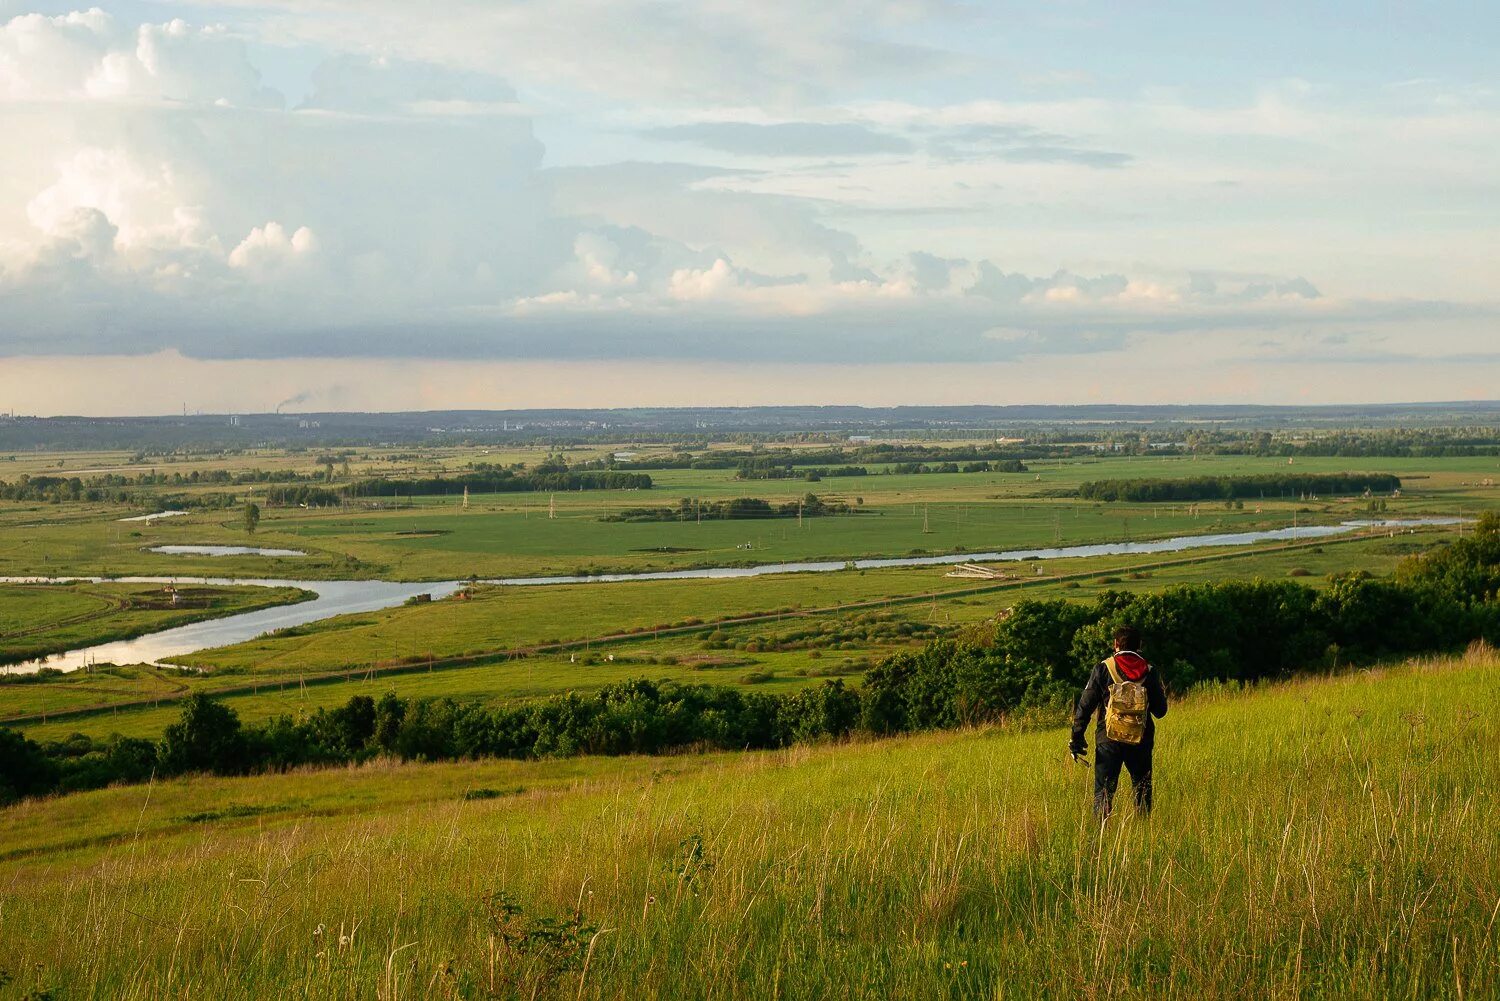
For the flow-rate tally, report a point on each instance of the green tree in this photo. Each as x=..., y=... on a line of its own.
x=25, y=770
x=252, y=516
x=390, y=712
x=206, y=737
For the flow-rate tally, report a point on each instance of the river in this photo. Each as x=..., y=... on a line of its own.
x=343, y=597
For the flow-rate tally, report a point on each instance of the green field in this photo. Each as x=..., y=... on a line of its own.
x=1323, y=838
x=470, y=647
x=624, y=620
x=513, y=535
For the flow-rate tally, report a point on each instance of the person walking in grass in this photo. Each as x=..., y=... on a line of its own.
x=1125, y=692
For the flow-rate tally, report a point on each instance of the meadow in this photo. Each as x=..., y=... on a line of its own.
x=433, y=538
x=1326, y=837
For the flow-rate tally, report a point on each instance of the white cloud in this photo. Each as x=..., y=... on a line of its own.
x=712, y=282
x=269, y=248
x=156, y=195
x=599, y=261
x=89, y=55
x=142, y=200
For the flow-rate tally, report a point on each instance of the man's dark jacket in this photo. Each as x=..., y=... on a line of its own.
x=1132, y=667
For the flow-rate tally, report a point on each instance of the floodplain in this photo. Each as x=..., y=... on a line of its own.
x=1003, y=847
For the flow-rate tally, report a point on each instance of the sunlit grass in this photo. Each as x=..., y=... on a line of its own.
x=1325, y=838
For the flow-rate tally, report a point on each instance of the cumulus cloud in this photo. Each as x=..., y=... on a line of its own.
x=158, y=196
x=270, y=248
x=601, y=262
x=90, y=55
x=140, y=198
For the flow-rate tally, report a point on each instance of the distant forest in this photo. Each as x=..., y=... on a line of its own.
x=499, y=481
x=1236, y=487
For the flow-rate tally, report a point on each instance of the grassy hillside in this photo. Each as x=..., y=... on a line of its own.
x=1327, y=838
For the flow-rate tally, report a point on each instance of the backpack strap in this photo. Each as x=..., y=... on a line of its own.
x=1114, y=672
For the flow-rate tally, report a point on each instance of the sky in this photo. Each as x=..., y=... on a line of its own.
x=381, y=205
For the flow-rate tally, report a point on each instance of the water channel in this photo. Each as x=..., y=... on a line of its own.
x=343, y=597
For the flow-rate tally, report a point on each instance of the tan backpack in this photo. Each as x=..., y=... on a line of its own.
x=1125, y=712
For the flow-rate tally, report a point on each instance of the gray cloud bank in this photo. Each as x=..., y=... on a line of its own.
x=158, y=195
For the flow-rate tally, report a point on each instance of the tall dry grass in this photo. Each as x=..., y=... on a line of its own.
x=1325, y=838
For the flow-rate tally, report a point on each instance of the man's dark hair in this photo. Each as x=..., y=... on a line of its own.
x=1127, y=637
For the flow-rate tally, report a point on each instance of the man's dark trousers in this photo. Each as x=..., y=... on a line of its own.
x=1108, y=757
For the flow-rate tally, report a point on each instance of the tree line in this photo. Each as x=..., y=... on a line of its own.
x=501, y=480
x=103, y=490
x=1232, y=487
x=736, y=509
x=1036, y=657
x=767, y=469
